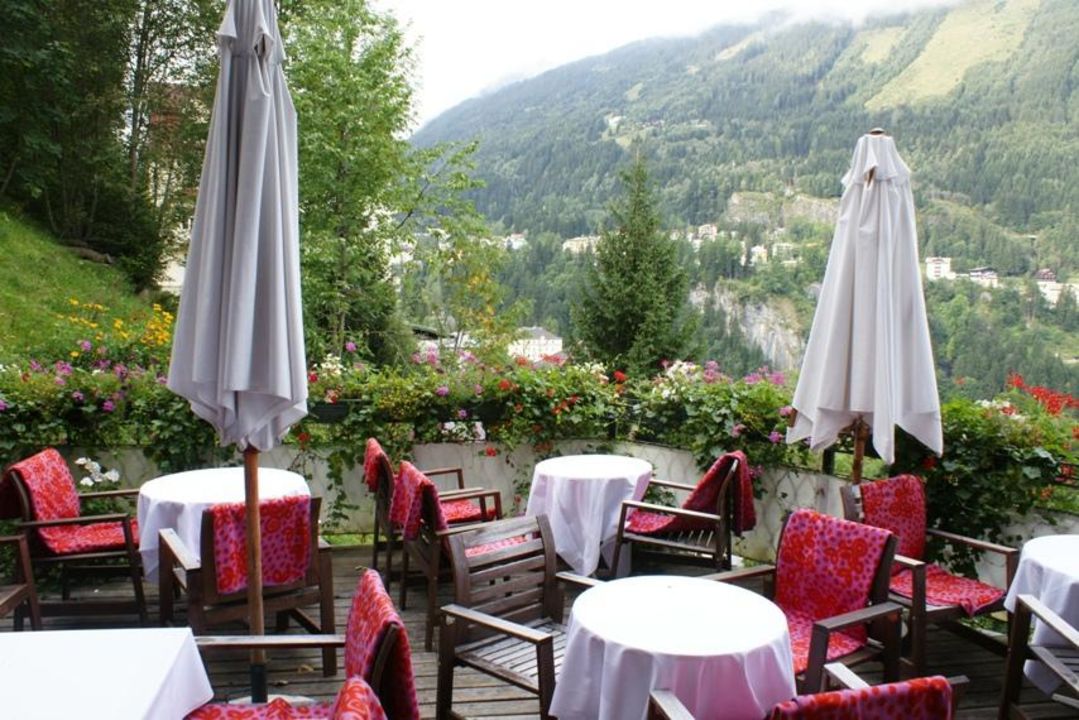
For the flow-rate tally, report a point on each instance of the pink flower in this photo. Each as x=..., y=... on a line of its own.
x=350, y=347
x=60, y=381
x=312, y=377
x=108, y=406
x=777, y=378
x=442, y=391
x=86, y=345
x=77, y=396
x=478, y=389
x=416, y=358
x=3, y=406
x=785, y=411
x=775, y=436
x=462, y=413
x=736, y=431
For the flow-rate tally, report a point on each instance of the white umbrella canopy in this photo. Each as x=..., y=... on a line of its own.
x=869, y=356
x=238, y=349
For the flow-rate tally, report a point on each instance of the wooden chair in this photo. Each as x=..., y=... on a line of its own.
x=20, y=595
x=927, y=698
x=459, y=505
x=58, y=534
x=215, y=581
x=507, y=617
x=1060, y=657
x=831, y=581
x=699, y=532
x=929, y=593
x=377, y=654
x=421, y=514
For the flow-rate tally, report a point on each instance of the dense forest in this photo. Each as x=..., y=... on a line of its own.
x=981, y=98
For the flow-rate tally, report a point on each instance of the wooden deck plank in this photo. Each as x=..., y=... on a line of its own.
x=298, y=672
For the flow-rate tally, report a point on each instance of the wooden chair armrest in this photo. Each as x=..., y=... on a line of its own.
x=12, y=539
x=741, y=573
x=665, y=705
x=168, y=538
x=124, y=492
x=267, y=642
x=843, y=676
x=668, y=510
x=470, y=493
x=83, y=520
x=975, y=543
x=1056, y=623
x=858, y=617
x=456, y=529
x=908, y=563
x=506, y=627
x=672, y=484
x=448, y=471
x=578, y=580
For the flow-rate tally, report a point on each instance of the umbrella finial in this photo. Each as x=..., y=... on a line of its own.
x=877, y=131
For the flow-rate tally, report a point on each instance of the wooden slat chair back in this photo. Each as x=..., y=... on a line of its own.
x=1060, y=657
x=507, y=618
x=929, y=593
x=923, y=698
x=207, y=605
x=831, y=582
x=21, y=594
x=700, y=531
x=41, y=491
x=420, y=512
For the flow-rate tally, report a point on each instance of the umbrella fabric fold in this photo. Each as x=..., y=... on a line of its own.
x=869, y=354
x=238, y=351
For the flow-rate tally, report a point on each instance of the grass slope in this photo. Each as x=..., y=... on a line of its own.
x=38, y=280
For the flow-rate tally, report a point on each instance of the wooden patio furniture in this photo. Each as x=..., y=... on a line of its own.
x=831, y=581
x=20, y=595
x=297, y=571
x=700, y=531
x=924, y=698
x=929, y=593
x=421, y=515
x=59, y=535
x=459, y=505
x=1060, y=658
x=507, y=617
x=378, y=661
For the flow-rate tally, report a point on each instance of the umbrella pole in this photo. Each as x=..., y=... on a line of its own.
x=254, y=571
x=861, y=434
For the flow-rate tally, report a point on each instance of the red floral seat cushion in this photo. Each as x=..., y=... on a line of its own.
x=897, y=504
x=800, y=626
x=825, y=567
x=51, y=488
x=944, y=588
x=928, y=698
x=286, y=542
x=376, y=463
x=704, y=498
x=369, y=618
x=462, y=511
x=355, y=701
x=413, y=495
x=496, y=545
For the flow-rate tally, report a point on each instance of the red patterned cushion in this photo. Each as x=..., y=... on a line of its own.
x=928, y=698
x=375, y=463
x=943, y=588
x=276, y=709
x=496, y=545
x=51, y=488
x=414, y=494
x=825, y=566
x=371, y=614
x=704, y=498
x=898, y=504
x=357, y=701
x=462, y=511
x=800, y=626
x=286, y=542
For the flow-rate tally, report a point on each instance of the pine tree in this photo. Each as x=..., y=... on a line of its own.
x=633, y=310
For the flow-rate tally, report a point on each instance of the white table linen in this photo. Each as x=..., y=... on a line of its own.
x=134, y=674
x=1048, y=570
x=176, y=501
x=582, y=496
x=723, y=650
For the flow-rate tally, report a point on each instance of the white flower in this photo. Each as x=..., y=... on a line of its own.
x=86, y=482
x=112, y=475
x=82, y=461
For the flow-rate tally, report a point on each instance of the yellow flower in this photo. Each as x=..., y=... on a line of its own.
x=74, y=353
x=73, y=301
x=117, y=323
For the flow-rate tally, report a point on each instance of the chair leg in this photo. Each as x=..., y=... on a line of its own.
x=374, y=548
x=615, y=558
x=432, y=606
x=1018, y=633
x=403, y=599
x=282, y=621
x=444, y=693
x=390, y=550
x=546, y=679
x=326, y=613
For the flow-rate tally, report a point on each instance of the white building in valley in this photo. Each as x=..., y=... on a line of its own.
x=535, y=343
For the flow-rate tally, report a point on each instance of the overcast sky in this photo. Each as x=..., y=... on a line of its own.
x=468, y=47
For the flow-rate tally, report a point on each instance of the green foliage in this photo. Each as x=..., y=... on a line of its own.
x=633, y=311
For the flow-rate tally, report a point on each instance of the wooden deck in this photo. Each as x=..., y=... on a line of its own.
x=479, y=696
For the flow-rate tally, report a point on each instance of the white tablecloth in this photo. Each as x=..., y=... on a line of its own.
x=176, y=501
x=582, y=496
x=723, y=650
x=1048, y=570
x=106, y=674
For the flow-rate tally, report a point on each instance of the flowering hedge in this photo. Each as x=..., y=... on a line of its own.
x=1001, y=456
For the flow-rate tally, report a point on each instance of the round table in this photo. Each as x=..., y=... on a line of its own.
x=1048, y=570
x=723, y=650
x=176, y=501
x=582, y=496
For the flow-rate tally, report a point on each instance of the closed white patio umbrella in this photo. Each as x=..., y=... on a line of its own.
x=868, y=364
x=238, y=349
